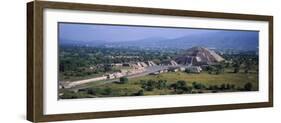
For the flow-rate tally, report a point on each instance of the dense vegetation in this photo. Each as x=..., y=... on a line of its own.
x=75, y=61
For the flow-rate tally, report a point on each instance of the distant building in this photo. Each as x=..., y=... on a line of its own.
x=138, y=64
x=109, y=65
x=127, y=65
x=169, y=62
x=173, y=69
x=185, y=60
x=182, y=68
x=150, y=63
x=194, y=69
x=135, y=66
x=117, y=65
x=143, y=64
x=118, y=74
x=110, y=76
x=123, y=70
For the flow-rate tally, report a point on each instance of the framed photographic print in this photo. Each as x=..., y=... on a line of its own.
x=90, y=61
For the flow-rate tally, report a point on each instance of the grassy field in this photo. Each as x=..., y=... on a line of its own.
x=238, y=79
x=133, y=86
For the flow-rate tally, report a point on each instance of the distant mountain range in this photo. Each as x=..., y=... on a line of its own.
x=217, y=40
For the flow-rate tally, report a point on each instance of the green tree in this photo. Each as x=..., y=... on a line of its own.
x=196, y=85
x=107, y=91
x=187, y=71
x=180, y=87
x=148, y=85
x=248, y=86
x=223, y=86
x=248, y=66
x=236, y=68
x=181, y=83
x=161, y=84
x=220, y=68
x=139, y=93
x=124, y=80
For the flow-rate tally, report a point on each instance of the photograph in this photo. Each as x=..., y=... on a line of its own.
x=106, y=60
x=87, y=60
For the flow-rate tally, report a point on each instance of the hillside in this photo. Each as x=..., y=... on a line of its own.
x=247, y=40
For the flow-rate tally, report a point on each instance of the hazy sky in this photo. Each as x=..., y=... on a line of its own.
x=92, y=32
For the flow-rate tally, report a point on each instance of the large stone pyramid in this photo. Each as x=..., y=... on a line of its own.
x=199, y=56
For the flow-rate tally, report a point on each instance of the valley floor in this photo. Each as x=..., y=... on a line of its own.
x=203, y=82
